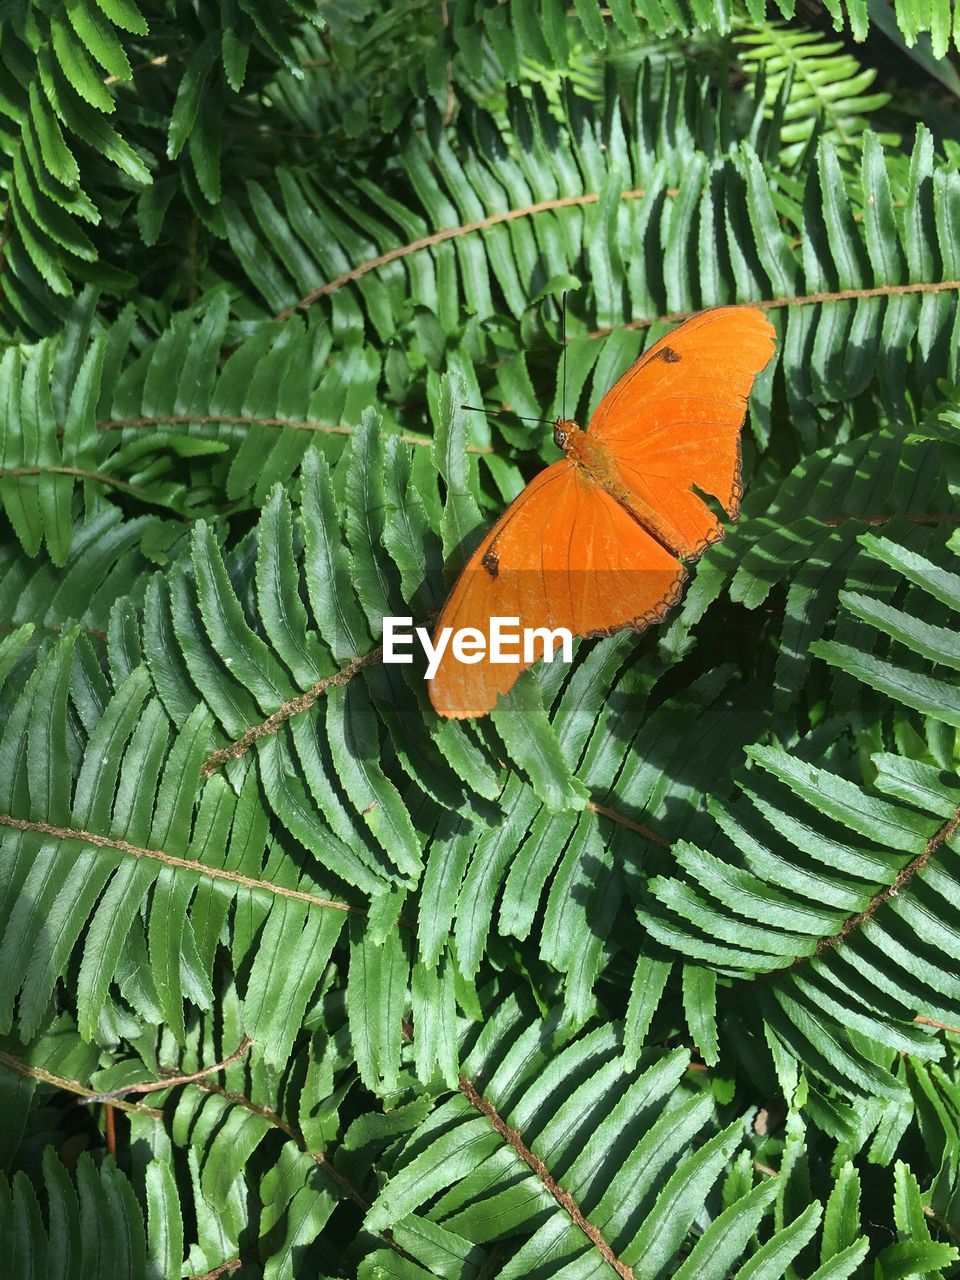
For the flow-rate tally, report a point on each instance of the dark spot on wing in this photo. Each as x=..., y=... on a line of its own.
x=491, y=562
x=668, y=355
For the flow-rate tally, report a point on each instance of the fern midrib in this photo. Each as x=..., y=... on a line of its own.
x=42, y=1076
x=564, y=1199
x=173, y=860
x=451, y=233
x=802, y=300
x=883, y=895
x=256, y=420
x=78, y=473
x=171, y=1081
x=274, y=722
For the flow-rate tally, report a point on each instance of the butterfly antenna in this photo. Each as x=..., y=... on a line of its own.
x=563, y=339
x=500, y=413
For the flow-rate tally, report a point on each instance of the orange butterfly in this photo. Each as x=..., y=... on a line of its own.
x=595, y=543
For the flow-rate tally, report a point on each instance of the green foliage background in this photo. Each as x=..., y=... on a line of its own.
x=655, y=971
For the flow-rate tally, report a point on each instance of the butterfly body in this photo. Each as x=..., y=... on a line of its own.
x=598, y=465
x=598, y=540
x=574, y=442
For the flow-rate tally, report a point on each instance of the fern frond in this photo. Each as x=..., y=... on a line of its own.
x=929, y=641
x=67, y=1232
x=866, y=298
x=608, y=1156
x=107, y=562
x=66, y=102
x=827, y=90
x=829, y=883
x=516, y=247
x=54, y=104
x=94, y=422
x=92, y=850
x=800, y=534
x=511, y=31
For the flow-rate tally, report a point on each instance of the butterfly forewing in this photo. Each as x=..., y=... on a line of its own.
x=673, y=420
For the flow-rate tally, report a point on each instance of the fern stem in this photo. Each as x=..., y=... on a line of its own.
x=624, y=821
x=563, y=1198
x=932, y=518
x=273, y=723
x=171, y=860
x=31, y=1072
x=940, y=1026
x=109, y=1130
x=904, y=876
x=249, y=420
x=222, y=1270
x=169, y=1082
x=803, y=300
x=98, y=477
x=450, y=233
x=255, y=1108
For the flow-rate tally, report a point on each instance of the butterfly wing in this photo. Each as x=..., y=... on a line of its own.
x=673, y=420
x=563, y=554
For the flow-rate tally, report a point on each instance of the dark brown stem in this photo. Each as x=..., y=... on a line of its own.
x=110, y=1129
